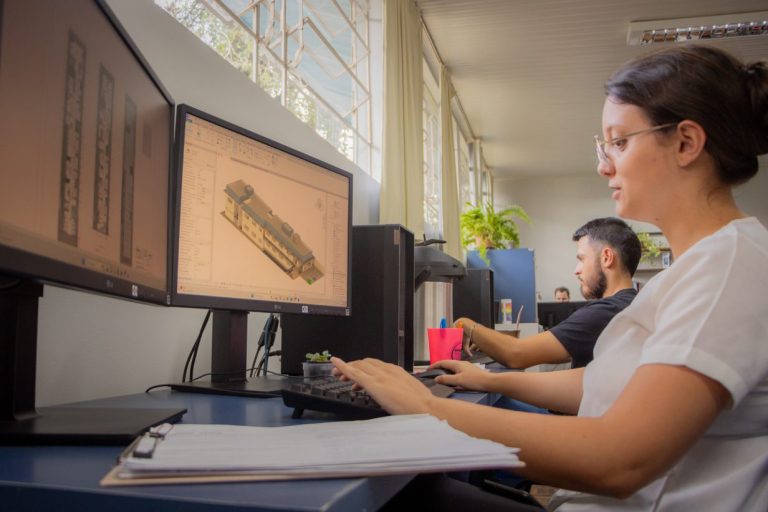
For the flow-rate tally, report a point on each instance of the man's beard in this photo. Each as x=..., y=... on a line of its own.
x=596, y=289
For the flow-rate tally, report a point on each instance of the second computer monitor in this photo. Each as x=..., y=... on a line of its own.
x=552, y=313
x=473, y=297
x=259, y=226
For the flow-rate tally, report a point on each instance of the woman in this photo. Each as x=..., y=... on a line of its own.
x=673, y=410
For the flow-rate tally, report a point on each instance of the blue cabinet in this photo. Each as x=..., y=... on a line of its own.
x=514, y=277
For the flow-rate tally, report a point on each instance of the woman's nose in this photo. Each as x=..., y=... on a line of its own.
x=605, y=168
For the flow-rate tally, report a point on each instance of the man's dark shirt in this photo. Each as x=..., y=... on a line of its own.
x=579, y=332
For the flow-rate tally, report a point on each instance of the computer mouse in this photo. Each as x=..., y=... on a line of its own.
x=434, y=372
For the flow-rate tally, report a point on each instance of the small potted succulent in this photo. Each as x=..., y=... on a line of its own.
x=317, y=364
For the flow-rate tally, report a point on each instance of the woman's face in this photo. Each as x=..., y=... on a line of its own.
x=639, y=167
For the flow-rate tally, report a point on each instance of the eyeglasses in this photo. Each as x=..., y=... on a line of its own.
x=617, y=142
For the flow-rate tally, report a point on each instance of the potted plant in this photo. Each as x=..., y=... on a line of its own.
x=651, y=249
x=317, y=364
x=655, y=253
x=483, y=228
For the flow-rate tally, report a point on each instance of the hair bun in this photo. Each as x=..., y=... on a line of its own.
x=756, y=76
x=752, y=68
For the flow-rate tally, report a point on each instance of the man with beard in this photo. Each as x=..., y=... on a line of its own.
x=608, y=252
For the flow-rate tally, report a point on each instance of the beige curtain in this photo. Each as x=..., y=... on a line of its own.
x=450, y=180
x=402, y=176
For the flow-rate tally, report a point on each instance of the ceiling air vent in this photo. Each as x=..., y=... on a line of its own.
x=724, y=26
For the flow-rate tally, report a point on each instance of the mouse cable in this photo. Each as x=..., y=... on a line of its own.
x=196, y=346
x=276, y=352
x=256, y=355
x=192, y=357
x=269, y=340
x=236, y=373
x=262, y=341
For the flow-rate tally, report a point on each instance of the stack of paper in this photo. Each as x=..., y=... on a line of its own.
x=388, y=445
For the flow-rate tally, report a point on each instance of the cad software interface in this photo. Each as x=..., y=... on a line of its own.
x=259, y=223
x=84, y=144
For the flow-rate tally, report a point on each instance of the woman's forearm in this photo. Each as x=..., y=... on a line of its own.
x=560, y=390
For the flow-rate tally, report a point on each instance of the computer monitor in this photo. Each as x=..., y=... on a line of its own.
x=258, y=227
x=552, y=313
x=85, y=147
x=473, y=297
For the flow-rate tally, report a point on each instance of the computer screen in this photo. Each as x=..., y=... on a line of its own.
x=85, y=147
x=258, y=226
x=552, y=313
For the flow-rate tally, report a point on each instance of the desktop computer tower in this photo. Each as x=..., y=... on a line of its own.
x=381, y=324
x=473, y=297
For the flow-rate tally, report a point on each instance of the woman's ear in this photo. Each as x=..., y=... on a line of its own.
x=692, y=139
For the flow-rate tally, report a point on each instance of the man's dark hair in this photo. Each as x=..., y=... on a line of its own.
x=618, y=235
x=563, y=289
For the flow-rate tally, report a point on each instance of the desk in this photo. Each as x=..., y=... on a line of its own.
x=61, y=478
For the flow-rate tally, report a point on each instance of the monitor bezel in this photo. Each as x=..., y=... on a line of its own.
x=23, y=264
x=230, y=303
x=21, y=286
x=558, y=309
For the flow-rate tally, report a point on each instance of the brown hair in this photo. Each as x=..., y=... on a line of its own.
x=617, y=234
x=711, y=87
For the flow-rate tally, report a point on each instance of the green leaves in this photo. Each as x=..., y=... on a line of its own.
x=650, y=246
x=318, y=357
x=483, y=228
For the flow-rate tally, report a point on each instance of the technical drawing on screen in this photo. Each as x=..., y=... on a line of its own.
x=277, y=240
x=258, y=222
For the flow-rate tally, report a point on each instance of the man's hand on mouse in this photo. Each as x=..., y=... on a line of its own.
x=391, y=386
x=466, y=375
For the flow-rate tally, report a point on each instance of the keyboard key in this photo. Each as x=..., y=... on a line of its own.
x=330, y=395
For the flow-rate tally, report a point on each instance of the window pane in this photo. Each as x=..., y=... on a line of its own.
x=462, y=167
x=485, y=190
x=312, y=56
x=432, y=185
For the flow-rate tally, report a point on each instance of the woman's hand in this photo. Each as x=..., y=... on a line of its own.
x=466, y=375
x=393, y=388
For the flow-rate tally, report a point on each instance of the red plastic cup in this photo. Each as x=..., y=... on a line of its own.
x=444, y=344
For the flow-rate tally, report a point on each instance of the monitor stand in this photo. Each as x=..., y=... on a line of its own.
x=229, y=362
x=20, y=422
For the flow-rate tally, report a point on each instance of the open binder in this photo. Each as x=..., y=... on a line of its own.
x=184, y=453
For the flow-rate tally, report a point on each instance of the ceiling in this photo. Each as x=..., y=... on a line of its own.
x=529, y=73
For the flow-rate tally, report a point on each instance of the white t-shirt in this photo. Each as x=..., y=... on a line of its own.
x=707, y=312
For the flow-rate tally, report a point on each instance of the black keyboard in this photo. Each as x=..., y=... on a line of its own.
x=328, y=394
x=478, y=357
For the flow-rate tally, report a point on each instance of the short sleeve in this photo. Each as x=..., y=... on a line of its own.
x=579, y=332
x=716, y=323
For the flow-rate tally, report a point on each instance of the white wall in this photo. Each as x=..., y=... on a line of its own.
x=559, y=205
x=91, y=346
x=556, y=206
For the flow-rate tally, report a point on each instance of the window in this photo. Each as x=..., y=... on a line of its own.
x=486, y=195
x=432, y=175
x=472, y=174
x=463, y=171
x=313, y=55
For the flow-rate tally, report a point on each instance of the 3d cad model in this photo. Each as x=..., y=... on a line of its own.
x=276, y=238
